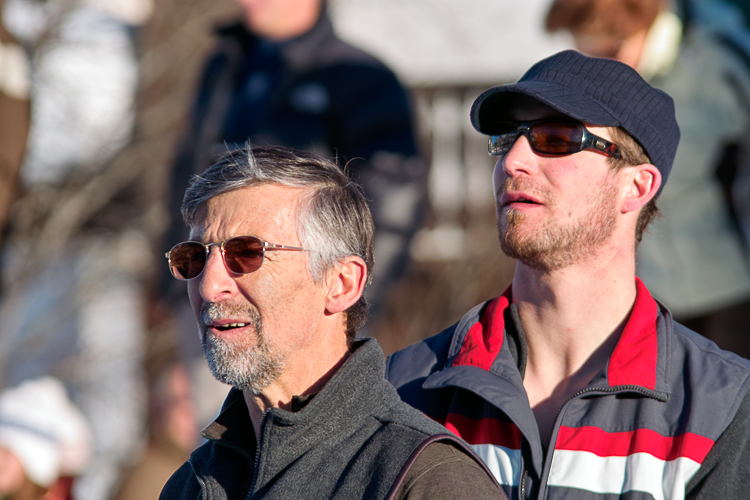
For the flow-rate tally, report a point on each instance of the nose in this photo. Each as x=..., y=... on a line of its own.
x=520, y=158
x=216, y=281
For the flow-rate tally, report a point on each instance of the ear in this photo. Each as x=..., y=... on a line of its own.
x=346, y=284
x=642, y=184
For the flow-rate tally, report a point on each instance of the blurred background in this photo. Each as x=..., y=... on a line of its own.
x=97, y=95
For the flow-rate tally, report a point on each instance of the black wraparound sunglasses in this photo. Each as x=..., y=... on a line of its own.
x=549, y=137
x=241, y=255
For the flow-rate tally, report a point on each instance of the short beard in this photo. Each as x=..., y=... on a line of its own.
x=554, y=246
x=243, y=364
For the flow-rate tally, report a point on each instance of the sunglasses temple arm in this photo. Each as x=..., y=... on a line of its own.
x=275, y=246
x=597, y=143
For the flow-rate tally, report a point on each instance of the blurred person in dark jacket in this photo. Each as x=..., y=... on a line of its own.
x=693, y=258
x=280, y=75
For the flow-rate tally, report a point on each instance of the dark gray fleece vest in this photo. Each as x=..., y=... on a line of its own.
x=350, y=441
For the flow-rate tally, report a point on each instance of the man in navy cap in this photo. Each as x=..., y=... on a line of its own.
x=575, y=382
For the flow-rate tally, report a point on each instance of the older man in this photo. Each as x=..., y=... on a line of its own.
x=280, y=252
x=575, y=382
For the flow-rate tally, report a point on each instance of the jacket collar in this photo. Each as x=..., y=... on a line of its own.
x=484, y=349
x=233, y=425
x=640, y=358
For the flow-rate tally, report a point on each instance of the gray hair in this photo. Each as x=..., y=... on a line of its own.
x=334, y=221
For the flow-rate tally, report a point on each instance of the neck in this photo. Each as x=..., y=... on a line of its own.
x=572, y=319
x=569, y=313
x=304, y=375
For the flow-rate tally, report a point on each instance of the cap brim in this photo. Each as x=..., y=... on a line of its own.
x=496, y=104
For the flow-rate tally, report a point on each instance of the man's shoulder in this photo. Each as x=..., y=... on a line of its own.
x=182, y=485
x=443, y=470
x=438, y=464
x=212, y=467
x=694, y=345
x=427, y=356
x=337, y=50
x=419, y=360
x=401, y=419
x=705, y=381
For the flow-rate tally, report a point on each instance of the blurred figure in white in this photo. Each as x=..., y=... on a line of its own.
x=45, y=441
x=74, y=263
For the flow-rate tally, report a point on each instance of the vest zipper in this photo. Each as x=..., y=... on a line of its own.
x=544, y=486
x=257, y=455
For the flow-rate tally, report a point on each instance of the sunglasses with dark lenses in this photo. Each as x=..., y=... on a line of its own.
x=241, y=255
x=550, y=138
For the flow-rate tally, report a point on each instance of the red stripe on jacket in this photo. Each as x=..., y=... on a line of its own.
x=622, y=444
x=484, y=431
x=485, y=337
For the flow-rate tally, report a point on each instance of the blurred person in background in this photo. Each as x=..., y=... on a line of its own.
x=45, y=441
x=281, y=76
x=14, y=118
x=693, y=258
x=173, y=434
x=74, y=260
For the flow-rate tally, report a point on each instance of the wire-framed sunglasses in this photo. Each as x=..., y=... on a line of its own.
x=241, y=255
x=549, y=137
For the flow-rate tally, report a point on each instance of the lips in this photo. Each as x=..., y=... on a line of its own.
x=223, y=327
x=227, y=317
x=227, y=326
x=519, y=198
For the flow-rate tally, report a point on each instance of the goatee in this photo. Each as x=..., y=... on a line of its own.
x=247, y=363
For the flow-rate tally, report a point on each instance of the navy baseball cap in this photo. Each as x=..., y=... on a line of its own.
x=599, y=91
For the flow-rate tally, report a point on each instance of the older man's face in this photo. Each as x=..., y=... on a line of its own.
x=251, y=325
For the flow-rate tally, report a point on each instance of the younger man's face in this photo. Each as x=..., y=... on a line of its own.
x=553, y=210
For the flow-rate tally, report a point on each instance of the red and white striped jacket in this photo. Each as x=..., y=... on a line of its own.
x=640, y=430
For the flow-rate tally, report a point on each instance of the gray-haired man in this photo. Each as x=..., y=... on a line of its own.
x=281, y=252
